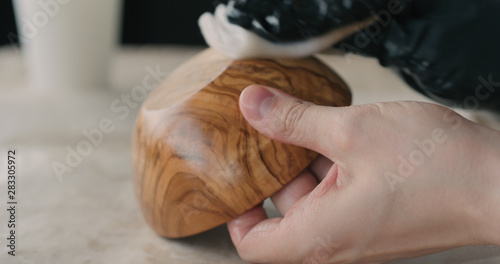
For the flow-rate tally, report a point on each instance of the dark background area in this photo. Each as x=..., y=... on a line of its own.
x=143, y=21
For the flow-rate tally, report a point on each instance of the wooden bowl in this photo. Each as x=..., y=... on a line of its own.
x=197, y=162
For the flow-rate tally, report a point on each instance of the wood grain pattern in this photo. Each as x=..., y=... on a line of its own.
x=197, y=162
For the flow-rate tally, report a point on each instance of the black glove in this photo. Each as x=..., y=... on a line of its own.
x=296, y=20
x=447, y=50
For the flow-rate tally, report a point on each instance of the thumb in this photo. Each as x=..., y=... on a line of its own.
x=290, y=120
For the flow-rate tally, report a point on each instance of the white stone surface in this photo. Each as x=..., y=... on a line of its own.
x=90, y=215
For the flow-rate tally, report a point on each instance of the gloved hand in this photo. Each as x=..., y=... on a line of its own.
x=295, y=20
x=444, y=49
x=447, y=50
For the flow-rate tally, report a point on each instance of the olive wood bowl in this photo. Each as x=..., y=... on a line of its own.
x=197, y=162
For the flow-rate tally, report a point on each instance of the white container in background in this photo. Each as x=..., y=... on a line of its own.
x=67, y=44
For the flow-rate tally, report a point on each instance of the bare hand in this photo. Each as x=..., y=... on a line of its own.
x=395, y=180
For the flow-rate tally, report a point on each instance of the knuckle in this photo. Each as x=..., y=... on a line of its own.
x=247, y=256
x=247, y=253
x=350, y=126
x=253, y=256
x=288, y=120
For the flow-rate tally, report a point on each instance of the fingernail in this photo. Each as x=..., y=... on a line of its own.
x=258, y=101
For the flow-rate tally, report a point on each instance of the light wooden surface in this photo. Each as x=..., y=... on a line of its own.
x=92, y=216
x=197, y=162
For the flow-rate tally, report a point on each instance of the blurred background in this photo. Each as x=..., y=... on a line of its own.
x=76, y=201
x=143, y=22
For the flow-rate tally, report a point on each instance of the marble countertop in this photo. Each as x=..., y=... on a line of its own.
x=89, y=214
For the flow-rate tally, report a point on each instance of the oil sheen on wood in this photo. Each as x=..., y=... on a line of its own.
x=197, y=162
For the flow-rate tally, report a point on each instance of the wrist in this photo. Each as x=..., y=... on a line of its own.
x=495, y=196
x=490, y=203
